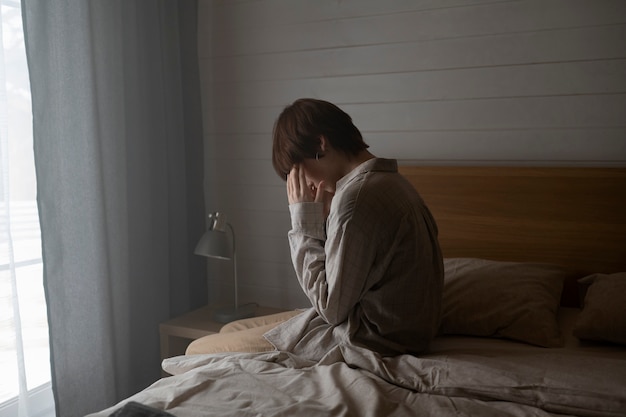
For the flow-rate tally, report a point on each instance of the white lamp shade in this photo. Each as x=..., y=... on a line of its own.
x=214, y=244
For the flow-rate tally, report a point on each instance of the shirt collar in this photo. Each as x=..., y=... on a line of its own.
x=374, y=164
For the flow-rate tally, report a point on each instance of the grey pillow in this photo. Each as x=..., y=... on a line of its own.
x=502, y=299
x=604, y=311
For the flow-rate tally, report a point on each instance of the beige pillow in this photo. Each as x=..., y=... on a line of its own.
x=241, y=336
x=604, y=311
x=502, y=299
x=259, y=321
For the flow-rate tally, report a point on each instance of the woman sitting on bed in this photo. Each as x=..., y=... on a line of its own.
x=363, y=244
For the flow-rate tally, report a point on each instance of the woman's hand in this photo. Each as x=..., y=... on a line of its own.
x=299, y=190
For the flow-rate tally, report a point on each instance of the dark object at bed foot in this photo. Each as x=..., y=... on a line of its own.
x=133, y=409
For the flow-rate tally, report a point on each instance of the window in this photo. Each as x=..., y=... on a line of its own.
x=24, y=347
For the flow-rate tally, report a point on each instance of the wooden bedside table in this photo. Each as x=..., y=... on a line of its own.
x=177, y=333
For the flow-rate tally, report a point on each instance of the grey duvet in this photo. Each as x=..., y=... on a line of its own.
x=463, y=376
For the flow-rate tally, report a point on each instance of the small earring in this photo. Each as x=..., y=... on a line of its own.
x=317, y=156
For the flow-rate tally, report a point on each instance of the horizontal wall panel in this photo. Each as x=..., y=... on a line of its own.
x=252, y=274
x=254, y=271
x=522, y=146
x=589, y=43
x=545, y=112
x=272, y=274
x=441, y=23
x=518, y=113
x=251, y=16
x=467, y=83
x=241, y=145
x=221, y=291
x=268, y=249
x=259, y=223
x=288, y=298
x=250, y=172
x=262, y=198
x=566, y=144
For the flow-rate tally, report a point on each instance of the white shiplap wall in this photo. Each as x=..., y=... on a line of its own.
x=536, y=82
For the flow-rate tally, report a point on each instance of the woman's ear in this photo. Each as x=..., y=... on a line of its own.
x=323, y=144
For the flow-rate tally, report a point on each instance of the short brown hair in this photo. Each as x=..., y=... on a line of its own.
x=298, y=129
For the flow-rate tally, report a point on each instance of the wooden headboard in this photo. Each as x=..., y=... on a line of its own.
x=575, y=217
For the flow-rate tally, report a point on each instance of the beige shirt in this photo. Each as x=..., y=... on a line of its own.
x=372, y=271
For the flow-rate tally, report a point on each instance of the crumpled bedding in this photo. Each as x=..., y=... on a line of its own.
x=462, y=376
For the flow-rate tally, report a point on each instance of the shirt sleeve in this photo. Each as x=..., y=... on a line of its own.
x=332, y=269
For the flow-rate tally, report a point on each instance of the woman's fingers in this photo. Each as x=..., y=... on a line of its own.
x=304, y=187
x=292, y=185
x=319, y=195
x=298, y=190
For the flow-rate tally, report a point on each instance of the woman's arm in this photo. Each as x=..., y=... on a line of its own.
x=334, y=267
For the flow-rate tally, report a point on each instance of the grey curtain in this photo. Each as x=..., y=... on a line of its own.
x=118, y=154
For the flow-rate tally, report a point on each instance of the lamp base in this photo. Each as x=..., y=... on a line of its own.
x=228, y=314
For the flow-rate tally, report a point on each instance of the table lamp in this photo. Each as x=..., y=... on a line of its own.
x=215, y=244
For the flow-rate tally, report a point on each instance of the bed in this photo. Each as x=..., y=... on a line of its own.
x=534, y=315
